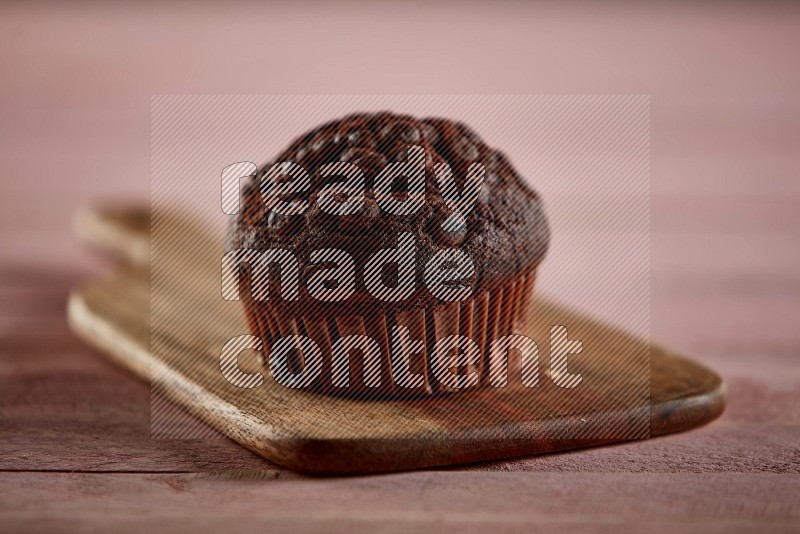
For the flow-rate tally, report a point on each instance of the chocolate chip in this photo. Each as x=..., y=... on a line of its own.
x=464, y=149
x=400, y=131
x=279, y=222
x=398, y=152
x=469, y=133
x=361, y=221
x=491, y=178
x=361, y=138
x=324, y=145
x=430, y=133
x=355, y=153
x=483, y=193
x=452, y=230
x=321, y=141
x=492, y=160
x=379, y=120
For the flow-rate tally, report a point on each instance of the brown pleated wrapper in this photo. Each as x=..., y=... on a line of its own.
x=486, y=316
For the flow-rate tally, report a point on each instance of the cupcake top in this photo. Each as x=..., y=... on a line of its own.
x=504, y=231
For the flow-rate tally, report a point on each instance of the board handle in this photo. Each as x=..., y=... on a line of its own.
x=121, y=231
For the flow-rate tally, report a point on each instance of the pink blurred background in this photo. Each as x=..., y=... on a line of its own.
x=77, y=80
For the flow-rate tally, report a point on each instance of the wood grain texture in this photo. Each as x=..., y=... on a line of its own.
x=311, y=432
x=64, y=408
x=469, y=502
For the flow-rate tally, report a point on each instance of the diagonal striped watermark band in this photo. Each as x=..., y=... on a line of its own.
x=587, y=156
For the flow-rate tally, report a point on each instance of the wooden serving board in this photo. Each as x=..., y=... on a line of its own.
x=316, y=433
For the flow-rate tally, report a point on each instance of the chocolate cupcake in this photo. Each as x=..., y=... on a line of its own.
x=388, y=237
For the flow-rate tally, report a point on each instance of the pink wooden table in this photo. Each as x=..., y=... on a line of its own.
x=75, y=86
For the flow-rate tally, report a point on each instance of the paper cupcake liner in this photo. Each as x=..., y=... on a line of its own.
x=487, y=316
